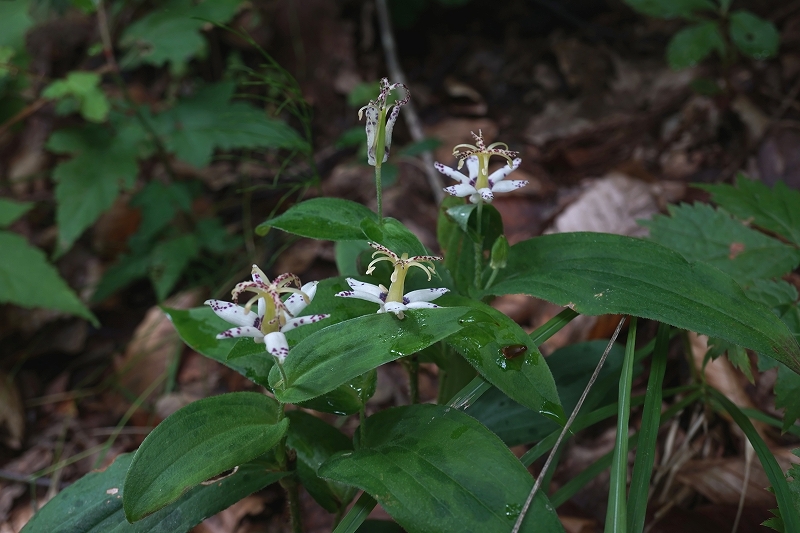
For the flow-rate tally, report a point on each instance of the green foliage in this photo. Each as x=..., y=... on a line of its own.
x=171, y=34
x=433, y=468
x=693, y=44
x=16, y=22
x=93, y=504
x=753, y=35
x=10, y=211
x=196, y=443
x=793, y=481
x=81, y=90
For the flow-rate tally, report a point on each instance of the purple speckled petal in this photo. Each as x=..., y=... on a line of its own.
x=422, y=305
x=235, y=314
x=302, y=321
x=372, y=130
x=277, y=345
x=472, y=167
x=247, y=331
x=425, y=295
x=508, y=186
x=503, y=171
x=486, y=194
x=460, y=190
x=451, y=173
x=296, y=303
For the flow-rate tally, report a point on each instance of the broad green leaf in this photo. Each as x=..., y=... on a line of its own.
x=331, y=219
x=393, y=235
x=172, y=32
x=434, y=468
x=786, y=497
x=208, y=120
x=93, y=504
x=348, y=254
x=572, y=366
x=505, y=356
x=776, y=210
x=11, y=210
x=597, y=273
x=168, y=260
x=104, y=161
x=336, y=354
x=28, y=280
x=198, y=442
x=85, y=87
x=700, y=233
x=667, y=9
x=754, y=36
x=16, y=21
x=314, y=441
x=693, y=44
x=793, y=481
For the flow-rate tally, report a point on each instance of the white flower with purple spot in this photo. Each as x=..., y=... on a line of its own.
x=393, y=300
x=379, y=128
x=274, y=316
x=479, y=185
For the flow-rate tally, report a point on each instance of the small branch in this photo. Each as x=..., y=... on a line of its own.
x=397, y=76
x=564, y=431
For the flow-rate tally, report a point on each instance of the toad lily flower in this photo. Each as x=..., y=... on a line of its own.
x=480, y=185
x=274, y=317
x=392, y=300
x=379, y=129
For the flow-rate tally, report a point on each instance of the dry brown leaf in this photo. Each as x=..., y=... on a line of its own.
x=574, y=524
x=722, y=480
x=227, y=520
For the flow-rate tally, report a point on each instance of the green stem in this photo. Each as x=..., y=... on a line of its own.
x=362, y=416
x=413, y=379
x=289, y=483
x=491, y=278
x=478, y=247
x=379, y=191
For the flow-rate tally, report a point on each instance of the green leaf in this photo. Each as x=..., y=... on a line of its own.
x=11, y=210
x=198, y=442
x=16, y=22
x=348, y=254
x=776, y=210
x=172, y=32
x=208, y=120
x=93, y=504
x=754, y=36
x=667, y=9
x=787, y=395
x=315, y=442
x=336, y=354
x=169, y=259
x=158, y=203
x=128, y=267
x=597, y=273
x=693, y=44
x=331, y=219
x=393, y=235
x=785, y=496
x=104, y=161
x=85, y=87
x=700, y=233
x=28, y=280
x=793, y=481
x=433, y=468
x=491, y=343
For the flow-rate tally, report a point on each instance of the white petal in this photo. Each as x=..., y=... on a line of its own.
x=486, y=194
x=396, y=308
x=507, y=186
x=361, y=295
x=472, y=167
x=230, y=312
x=451, y=173
x=302, y=321
x=369, y=288
x=503, y=171
x=296, y=303
x=247, y=331
x=372, y=129
x=393, y=114
x=262, y=307
x=277, y=345
x=424, y=295
x=461, y=190
x=422, y=305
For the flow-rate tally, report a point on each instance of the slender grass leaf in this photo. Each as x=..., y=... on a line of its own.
x=597, y=273
x=434, y=468
x=776, y=209
x=336, y=354
x=93, y=504
x=28, y=280
x=357, y=514
x=198, y=442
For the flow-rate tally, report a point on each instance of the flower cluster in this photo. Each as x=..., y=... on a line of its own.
x=393, y=299
x=376, y=114
x=274, y=316
x=480, y=186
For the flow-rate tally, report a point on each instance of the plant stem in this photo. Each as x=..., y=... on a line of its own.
x=379, y=191
x=413, y=379
x=479, y=247
x=289, y=483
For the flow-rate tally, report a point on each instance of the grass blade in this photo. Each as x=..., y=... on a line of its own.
x=646, y=450
x=357, y=514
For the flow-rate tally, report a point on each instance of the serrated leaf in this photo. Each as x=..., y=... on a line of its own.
x=158, y=204
x=198, y=442
x=336, y=354
x=93, y=504
x=597, y=273
x=434, y=468
x=11, y=210
x=104, y=162
x=208, y=120
x=668, y=9
x=793, y=481
x=700, y=233
x=28, y=280
x=754, y=36
x=776, y=210
x=693, y=44
x=85, y=87
x=172, y=32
